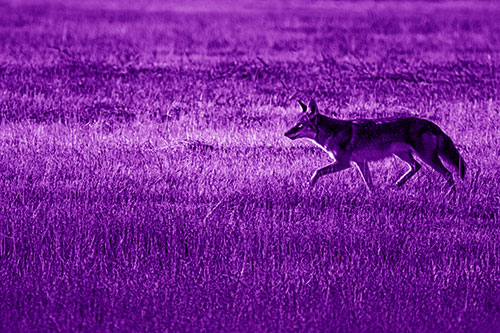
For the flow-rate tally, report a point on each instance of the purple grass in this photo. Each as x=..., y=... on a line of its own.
x=146, y=184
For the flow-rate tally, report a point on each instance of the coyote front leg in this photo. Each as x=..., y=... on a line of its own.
x=331, y=168
x=365, y=173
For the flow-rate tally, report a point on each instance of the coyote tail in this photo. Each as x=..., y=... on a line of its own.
x=449, y=152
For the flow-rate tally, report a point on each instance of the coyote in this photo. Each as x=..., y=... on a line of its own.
x=364, y=140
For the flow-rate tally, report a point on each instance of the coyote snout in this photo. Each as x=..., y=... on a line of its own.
x=302, y=130
x=363, y=140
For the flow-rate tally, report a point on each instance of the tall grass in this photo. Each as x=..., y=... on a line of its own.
x=146, y=183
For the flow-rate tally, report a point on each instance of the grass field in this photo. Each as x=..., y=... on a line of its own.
x=146, y=184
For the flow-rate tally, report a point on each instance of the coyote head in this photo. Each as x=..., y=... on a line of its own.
x=306, y=127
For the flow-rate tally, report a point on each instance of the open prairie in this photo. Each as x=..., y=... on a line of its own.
x=146, y=183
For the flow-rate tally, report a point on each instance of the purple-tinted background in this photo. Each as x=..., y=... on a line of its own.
x=146, y=183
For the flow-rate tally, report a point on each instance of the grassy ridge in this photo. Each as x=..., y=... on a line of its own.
x=147, y=185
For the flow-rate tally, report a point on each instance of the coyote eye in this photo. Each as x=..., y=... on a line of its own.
x=300, y=125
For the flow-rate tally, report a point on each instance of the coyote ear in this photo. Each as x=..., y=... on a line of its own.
x=303, y=106
x=313, y=106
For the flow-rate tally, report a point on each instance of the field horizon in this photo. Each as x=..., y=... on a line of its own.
x=147, y=185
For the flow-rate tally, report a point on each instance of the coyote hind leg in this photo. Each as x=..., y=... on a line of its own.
x=434, y=161
x=414, y=167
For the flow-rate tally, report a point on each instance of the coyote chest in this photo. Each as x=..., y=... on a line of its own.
x=331, y=151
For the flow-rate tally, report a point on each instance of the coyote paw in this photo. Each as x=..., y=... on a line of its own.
x=314, y=179
x=452, y=191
